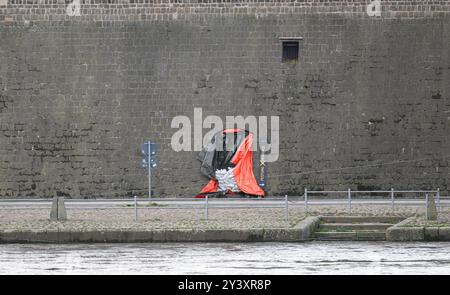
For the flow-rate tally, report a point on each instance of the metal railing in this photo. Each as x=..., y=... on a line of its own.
x=137, y=204
x=390, y=193
x=345, y=197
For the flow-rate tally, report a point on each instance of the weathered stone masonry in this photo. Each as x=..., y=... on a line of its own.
x=78, y=94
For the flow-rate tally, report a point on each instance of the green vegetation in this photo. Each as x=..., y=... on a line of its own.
x=336, y=230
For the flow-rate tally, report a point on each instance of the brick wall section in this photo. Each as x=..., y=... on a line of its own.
x=79, y=94
x=133, y=10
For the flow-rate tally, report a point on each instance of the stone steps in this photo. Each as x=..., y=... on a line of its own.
x=379, y=235
x=335, y=236
x=355, y=228
x=362, y=219
x=359, y=235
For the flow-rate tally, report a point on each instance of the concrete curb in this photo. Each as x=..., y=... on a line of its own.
x=301, y=232
x=401, y=233
x=307, y=227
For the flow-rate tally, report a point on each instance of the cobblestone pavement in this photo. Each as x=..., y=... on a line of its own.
x=154, y=218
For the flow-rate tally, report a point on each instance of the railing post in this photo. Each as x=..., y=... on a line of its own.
x=149, y=151
x=349, y=201
x=135, y=209
x=426, y=206
x=206, y=207
x=438, y=197
x=306, y=200
x=58, y=211
x=286, y=208
x=392, y=199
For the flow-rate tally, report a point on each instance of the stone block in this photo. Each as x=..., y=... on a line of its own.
x=431, y=234
x=285, y=235
x=370, y=235
x=402, y=234
x=431, y=208
x=140, y=237
x=58, y=210
x=178, y=235
x=444, y=234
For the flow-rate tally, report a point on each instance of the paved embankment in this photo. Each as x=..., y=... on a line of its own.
x=300, y=232
x=182, y=225
x=153, y=225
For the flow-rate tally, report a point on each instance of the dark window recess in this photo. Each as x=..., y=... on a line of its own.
x=290, y=51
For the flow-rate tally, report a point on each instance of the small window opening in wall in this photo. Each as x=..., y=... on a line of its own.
x=290, y=51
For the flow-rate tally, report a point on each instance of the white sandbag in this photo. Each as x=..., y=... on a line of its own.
x=226, y=181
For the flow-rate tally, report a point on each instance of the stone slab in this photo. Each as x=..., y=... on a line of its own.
x=370, y=235
x=444, y=234
x=402, y=234
x=431, y=234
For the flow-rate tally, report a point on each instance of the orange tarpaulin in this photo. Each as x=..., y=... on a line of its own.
x=243, y=170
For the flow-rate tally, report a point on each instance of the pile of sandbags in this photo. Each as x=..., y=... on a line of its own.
x=226, y=181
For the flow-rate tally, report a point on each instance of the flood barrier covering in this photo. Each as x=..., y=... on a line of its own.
x=228, y=159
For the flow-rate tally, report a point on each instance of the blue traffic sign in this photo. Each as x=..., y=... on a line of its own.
x=153, y=163
x=153, y=148
x=149, y=150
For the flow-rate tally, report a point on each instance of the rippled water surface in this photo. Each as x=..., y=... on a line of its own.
x=227, y=258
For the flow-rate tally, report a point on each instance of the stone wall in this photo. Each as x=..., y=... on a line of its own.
x=79, y=94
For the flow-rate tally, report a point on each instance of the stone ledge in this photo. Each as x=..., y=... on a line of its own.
x=163, y=235
x=301, y=232
x=444, y=233
x=399, y=233
x=431, y=234
x=402, y=233
x=362, y=235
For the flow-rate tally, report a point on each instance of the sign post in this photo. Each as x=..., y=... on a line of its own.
x=262, y=181
x=149, y=151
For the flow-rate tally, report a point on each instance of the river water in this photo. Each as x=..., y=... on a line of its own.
x=227, y=258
